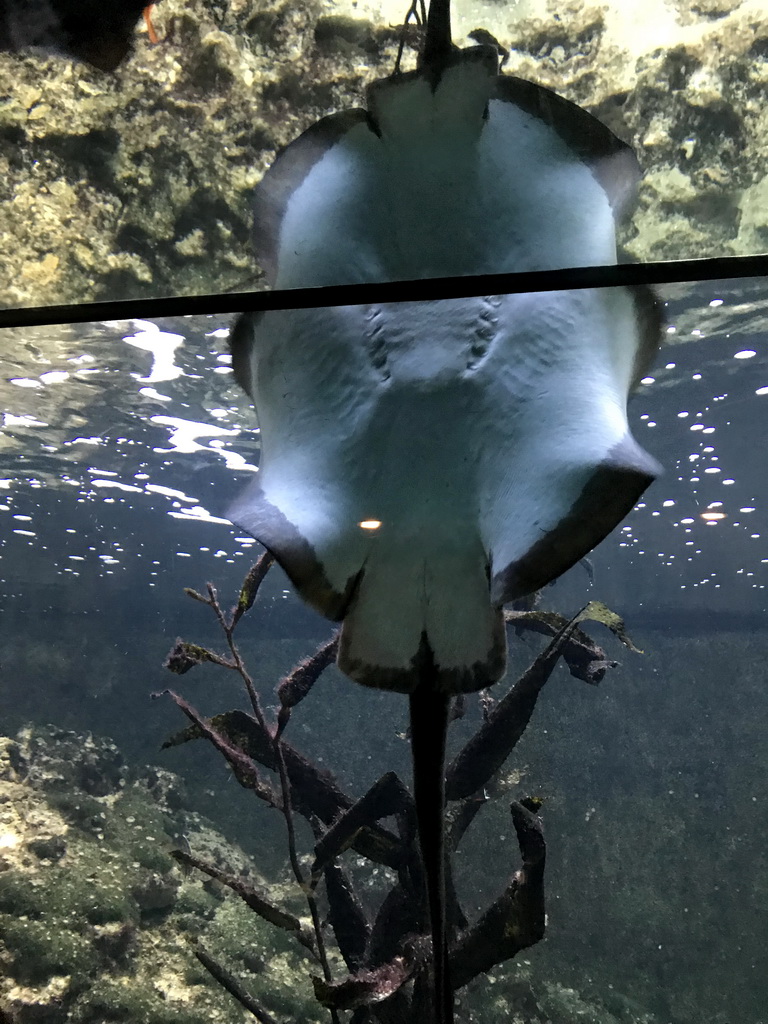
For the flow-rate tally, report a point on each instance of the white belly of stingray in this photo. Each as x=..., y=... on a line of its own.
x=466, y=429
x=428, y=204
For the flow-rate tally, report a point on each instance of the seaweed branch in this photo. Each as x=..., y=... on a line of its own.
x=386, y=955
x=248, y=593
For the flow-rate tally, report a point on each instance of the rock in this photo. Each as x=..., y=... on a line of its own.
x=141, y=183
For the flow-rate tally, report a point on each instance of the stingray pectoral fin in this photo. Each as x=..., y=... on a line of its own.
x=612, y=162
x=255, y=514
x=292, y=165
x=607, y=497
x=649, y=320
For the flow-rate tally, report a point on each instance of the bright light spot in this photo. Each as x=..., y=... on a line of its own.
x=727, y=482
x=25, y=382
x=762, y=391
x=671, y=330
x=151, y=393
x=745, y=353
x=169, y=492
x=716, y=302
x=199, y=515
x=162, y=346
x=184, y=432
x=370, y=524
x=54, y=376
x=648, y=380
x=668, y=503
x=746, y=509
x=712, y=469
x=98, y=482
x=686, y=521
x=713, y=516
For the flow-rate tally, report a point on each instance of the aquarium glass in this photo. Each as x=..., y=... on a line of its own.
x=138, y=182
x=122, y=444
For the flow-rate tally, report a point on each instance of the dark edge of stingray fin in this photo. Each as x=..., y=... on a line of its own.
x=288, y=170
x=429, y=708
x=252, y=512
x=650, y=320
x=241, y=340
x=609, y=495
x=612, y=162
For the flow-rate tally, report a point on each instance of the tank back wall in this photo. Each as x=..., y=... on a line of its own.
x=138, y=182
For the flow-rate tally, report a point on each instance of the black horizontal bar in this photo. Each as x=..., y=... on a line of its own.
x=428, y=289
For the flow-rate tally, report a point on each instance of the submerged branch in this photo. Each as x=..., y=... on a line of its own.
x=388, y=959
x=366, y=987
x=484, y=754
x=251, y=896
x=233, y=986
x=516, y=919
x=242, y=765
x=184, y=656
x=298, y=874
x=314, y=791
x=250, y=587
x=346, y=917
x=296, y=686
x=386, y=797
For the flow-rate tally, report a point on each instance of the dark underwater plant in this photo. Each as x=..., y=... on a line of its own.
x=386, y=954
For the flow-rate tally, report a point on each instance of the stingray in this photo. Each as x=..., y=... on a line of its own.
x=424, y=463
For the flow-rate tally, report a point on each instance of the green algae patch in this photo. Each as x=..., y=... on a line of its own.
x=127, y=999
x=98, y=924
x=36, y=951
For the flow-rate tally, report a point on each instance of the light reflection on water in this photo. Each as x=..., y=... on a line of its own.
x=101, y=434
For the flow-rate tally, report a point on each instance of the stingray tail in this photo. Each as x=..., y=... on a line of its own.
x=429, y=706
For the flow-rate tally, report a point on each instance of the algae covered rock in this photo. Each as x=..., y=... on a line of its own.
x=97, y=922
x=140, y=183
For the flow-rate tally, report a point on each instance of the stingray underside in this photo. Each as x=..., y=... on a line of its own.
x=422, y=464
x=412, y=498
